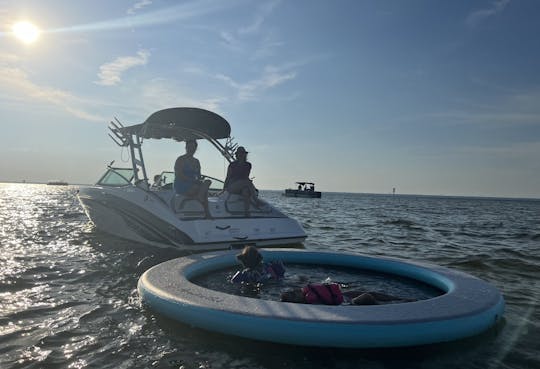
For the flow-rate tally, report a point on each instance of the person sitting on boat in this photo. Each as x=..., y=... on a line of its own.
x=238, y=182
x=157, y=181
x=331, y=294
x=187, y=177
x=255, y=270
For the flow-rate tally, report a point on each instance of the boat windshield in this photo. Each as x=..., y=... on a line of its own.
x=117, y=177
x=167, y=179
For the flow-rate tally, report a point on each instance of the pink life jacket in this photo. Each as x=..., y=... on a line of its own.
x=325, y=294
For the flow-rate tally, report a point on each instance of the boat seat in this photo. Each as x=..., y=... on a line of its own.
x=186, y=204
x=234, y=204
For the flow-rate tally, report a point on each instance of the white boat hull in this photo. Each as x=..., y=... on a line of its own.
x=149, y=217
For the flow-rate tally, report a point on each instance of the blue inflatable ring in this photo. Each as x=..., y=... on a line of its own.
x=467, y=307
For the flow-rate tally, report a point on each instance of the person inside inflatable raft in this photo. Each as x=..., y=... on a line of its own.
x=255, y=270
x=331, y=294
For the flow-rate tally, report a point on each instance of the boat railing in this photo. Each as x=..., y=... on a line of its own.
x=134, y=143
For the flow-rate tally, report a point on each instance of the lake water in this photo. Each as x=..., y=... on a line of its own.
x=68, y=295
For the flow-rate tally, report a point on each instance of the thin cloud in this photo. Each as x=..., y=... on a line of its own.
x=266, y=48
x=110, y=73
x=262, y=13
x=251, y=90
x=480, y=15
x=19, y=85
x=138, y=6
x=236, y=39
x=229, y=40
x=184, y=11
x=160, y=93
x=270, y=77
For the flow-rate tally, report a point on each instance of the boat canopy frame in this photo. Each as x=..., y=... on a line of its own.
x=179, y=124
x=305, y=183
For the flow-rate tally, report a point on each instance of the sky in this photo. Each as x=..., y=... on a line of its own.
x=427, y=97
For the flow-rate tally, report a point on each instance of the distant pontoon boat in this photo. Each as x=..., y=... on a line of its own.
x=304, y=189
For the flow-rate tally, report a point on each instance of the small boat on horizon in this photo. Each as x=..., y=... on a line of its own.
x=57, y=182
x=304, y=189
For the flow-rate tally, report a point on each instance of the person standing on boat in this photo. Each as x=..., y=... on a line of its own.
x=187, y=177
x=238, y=182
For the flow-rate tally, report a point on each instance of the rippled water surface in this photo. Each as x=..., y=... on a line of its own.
x=68, y=294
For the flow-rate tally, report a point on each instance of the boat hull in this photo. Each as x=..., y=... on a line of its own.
x=301, y=193
x=142, y=216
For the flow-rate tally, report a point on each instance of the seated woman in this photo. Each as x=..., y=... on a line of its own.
x=255, y=270
x=331, y=294
x=238, y=182
x=187, y=177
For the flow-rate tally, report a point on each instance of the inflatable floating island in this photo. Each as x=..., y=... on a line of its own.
x=465, y=307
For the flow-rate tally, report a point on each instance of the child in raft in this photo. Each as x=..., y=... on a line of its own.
x=331, y=294
x=255, y=270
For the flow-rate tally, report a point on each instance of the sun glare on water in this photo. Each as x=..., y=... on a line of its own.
x=26, y=32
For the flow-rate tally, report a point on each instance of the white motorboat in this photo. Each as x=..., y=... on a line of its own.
x=123, y=202
x=57, y=182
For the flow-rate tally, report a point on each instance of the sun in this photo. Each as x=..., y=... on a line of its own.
x=26, y=32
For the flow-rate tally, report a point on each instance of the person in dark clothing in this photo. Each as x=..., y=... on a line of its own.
x=187, y=177
x=255, y=270
x=238, y=182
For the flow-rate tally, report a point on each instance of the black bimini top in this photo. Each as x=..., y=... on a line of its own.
x=181, y=124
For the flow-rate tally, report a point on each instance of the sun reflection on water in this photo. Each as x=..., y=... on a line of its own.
x=41, y=265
